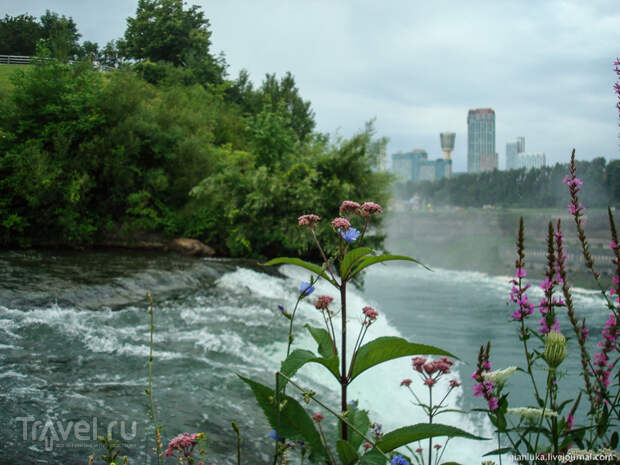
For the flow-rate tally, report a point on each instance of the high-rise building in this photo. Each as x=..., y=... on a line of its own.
x=513, y=149
x=407, y=165
x=529, y=160
x=481, y=140
x=415, y=166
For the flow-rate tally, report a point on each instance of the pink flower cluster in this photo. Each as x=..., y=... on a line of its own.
x=574, y=185
x=370, y=313
x=370, y=208
x=349, y=206
x=484, y=388
x=518, y=295
x=341, y=223
x=317, y=417
x=183, y=443
x=431, y=371
x=602, y=365
x=323, y=302
x=308, y=220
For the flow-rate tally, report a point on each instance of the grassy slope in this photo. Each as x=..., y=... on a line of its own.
x=5, y=73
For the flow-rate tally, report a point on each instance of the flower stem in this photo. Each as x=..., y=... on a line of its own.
x=150, y=381
x=343, y=357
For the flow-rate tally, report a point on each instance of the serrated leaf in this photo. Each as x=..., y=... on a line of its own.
x=302, y=263
x=351, y=258
x=346, y=453
x=294, y=422
x=368, y=261
x=402, y=436
x=387, y=348
x=321, y=336
x=300, y=357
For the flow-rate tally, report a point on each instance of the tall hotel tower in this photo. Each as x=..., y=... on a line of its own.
x=481, y=155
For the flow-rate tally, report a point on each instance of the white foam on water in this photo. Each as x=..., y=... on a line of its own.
x=378, y=389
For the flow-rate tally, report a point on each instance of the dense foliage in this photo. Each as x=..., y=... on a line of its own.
x=167, y=145
x=519, y=188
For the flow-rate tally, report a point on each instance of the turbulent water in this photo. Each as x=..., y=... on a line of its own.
x=74, y=344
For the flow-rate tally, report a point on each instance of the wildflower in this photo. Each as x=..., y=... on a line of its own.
x=317, y=417
x=370, y=313
x=521, y=273
x=183, y=443
x=437, y=446
x=430, y=382
x=405, y=382
x=418, y=363
x=308, y=220
x=341, y=223
x=454, y=383
x=323, y=301
x=398, y=460
x=273, y=435
x=555, y=349
x=350, y=235
x=493, y=403
x=377, y=430
x=353, y=404
x=532, y=413
x=366, y=445
x=570, y=421
x=430, y=368
x=349, y=206
x=306, y=288
x=419, y=450
x=369, y=208
x=499, y=377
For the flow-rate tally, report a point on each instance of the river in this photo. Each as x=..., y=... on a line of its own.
x=74, y=333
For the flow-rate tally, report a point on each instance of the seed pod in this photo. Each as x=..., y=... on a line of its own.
x=555, y=349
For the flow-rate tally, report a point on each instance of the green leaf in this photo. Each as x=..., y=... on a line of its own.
x=348, y=455
x=302, y=263
x=402, y=436
x=450, y=463
x=387, y=348
x=359, y=419
x=367, y=261
x=294, y=423
x=351, y=258
x=501, y=451
x=323, y=339
x=372, y=457
x=300, y=357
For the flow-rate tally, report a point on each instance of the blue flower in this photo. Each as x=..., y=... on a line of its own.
x=399, y=460
x=273, y=435
x=281, y=308
x=353, y=404
x=350, y=235
x=306, y=288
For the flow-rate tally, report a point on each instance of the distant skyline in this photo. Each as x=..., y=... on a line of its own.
x=546, y=68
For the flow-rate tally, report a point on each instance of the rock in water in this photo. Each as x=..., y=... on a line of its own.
x=191, y=247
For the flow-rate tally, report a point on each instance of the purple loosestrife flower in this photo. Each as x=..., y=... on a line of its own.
x=350, y=235
x=484, y=388
x=306, y=288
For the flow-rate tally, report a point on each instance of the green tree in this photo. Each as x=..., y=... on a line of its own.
x=60, y=36
x=163, y=31
x=19, y=35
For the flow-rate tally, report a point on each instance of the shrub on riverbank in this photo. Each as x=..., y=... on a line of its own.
x=85, y=155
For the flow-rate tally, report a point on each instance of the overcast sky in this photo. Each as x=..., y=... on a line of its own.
x=546, y=68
